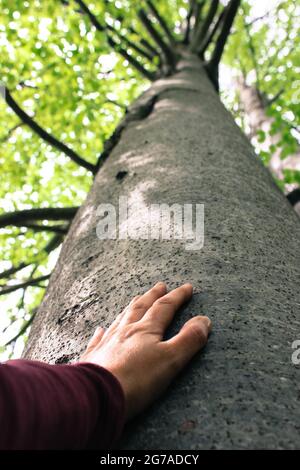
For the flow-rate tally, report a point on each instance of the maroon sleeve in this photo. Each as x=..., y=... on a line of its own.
x=72, y=406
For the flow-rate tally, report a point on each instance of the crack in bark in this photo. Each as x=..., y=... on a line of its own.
x=65, y=358
x=137, y=113
x=77, y=308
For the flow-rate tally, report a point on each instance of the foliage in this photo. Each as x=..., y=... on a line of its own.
x=61, y=71
x=266, y=51
x=66, y=69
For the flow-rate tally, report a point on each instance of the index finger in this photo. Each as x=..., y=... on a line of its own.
x=139, y=305
x=163, y=310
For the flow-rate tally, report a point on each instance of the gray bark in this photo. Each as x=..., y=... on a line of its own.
x=243, y=390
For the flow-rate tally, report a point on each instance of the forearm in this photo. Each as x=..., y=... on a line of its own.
x=46, y=406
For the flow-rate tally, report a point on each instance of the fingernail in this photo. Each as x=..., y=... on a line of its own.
x=189, y=285
x=160, y=284
x=207, y=322
x=189, y=290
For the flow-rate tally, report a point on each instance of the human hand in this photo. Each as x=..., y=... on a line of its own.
x=133, y=350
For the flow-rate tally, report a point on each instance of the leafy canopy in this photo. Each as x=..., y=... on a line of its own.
x=65, y=70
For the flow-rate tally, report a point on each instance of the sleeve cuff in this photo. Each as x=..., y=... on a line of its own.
x=111, y=416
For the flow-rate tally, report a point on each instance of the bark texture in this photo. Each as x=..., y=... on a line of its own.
x=259, y=120
x=243, y=391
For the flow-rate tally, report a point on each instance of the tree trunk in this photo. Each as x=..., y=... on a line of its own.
x=180, y=145
x=259, y=120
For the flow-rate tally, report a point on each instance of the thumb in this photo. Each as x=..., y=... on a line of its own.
x=191, y=338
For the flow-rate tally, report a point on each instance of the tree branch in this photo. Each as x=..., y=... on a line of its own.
x=108, y=27
x=91, y=16
x=43, y=228
x=22, y=330
x=198, y=13
x=14, y=269
x=54, y=242
x=94, y=20
x=161, y=21
x=137, y=65
x=202, y=29
x=213, y=65
x=11, y=131
x=23, y=84
x=135, y=47
x=118, y=47
x=150, y=48
x=294, y=196
x=116, y=103
x=29, y=282
x=211, y=34
x=187, y=31
x=143, y=42
x=274, y=11
x=26, y=119
x=21, y=306
x=274, y=98
x=167, y=51
x=27, y=215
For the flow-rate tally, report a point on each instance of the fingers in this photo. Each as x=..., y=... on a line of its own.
x=163, y=310
x=96, y=338
x=191, y=338
x=139, y=305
